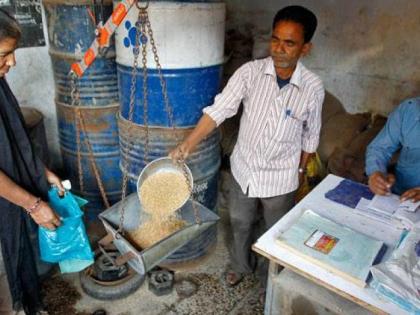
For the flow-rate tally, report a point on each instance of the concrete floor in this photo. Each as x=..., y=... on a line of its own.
x=213, y=295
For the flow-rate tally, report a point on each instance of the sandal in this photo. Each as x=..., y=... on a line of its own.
x=233, y=278
x=261, y=295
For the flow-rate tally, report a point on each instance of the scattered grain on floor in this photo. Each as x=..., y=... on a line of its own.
x=214, y=296
x=60, y=297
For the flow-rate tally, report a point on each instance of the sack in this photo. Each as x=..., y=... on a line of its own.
x=331, y=107
x=349, y=162
x=68, y=245
x=339, y=131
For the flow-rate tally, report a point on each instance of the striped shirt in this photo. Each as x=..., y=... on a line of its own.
x=275, y=126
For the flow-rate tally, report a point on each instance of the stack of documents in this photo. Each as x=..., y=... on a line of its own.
x=332, y=246
x=402, y=214
x=391, y=204
x=386, y=209
x=409, y=206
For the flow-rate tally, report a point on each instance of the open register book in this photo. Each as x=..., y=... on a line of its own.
x=332, y=246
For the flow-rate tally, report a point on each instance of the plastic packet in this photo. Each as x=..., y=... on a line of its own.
x=68, y=245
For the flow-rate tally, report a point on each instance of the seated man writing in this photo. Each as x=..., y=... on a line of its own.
x=402, y=131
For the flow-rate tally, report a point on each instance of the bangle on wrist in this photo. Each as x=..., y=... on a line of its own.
x=302, y=170
x=34, y=207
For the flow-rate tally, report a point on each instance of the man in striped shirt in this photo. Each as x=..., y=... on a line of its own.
x=279, y=128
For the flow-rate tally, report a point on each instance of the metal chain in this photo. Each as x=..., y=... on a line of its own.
x=162, y=81
x=169, y=111
x=145, y=19
x=142, y=26
x=80, y=126
x=126, y=167
x=75, y=102
x=93, y=163
x=140, y=7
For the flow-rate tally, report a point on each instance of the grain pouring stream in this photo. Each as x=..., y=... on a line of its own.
x=161, y=195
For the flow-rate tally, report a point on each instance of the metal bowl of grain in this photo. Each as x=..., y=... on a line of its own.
x=164, y=186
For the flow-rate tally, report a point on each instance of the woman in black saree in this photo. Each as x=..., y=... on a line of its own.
x=24, y=182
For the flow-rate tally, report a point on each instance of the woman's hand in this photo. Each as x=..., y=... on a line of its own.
x=54, y=180
x=44, y=216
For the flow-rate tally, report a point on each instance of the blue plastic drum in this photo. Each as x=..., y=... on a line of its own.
x=71, y=30
x=189, y=38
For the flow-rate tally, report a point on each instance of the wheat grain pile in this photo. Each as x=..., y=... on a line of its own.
x=155, y=229
x=163, y=193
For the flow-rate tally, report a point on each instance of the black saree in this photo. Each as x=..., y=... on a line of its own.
x=18, y=162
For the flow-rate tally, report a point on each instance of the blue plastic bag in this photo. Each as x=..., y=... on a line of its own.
x=68, y=245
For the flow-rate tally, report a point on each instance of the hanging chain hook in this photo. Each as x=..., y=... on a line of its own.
x=144, y=35
x=170, y=113
x=126, y=168
x=80, y=127
x=140, y=7
x=75, y=102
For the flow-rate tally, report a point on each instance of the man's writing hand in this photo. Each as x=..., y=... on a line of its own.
x=380, y=183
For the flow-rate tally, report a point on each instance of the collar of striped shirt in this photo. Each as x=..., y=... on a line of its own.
x=296, y=78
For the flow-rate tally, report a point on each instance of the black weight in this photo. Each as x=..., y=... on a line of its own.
x=104, y=270
x=161, y=282
x=94, y=281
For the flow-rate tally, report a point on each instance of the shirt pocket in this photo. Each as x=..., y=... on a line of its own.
x=410, y=152
x=410, y=156
x=286, y=140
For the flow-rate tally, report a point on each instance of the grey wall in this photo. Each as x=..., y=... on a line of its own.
x=367, y=53
x=33, y=85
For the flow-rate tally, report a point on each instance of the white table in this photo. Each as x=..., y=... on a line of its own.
x=316, y=201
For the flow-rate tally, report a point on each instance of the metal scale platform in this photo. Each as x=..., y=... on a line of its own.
x=145, y=260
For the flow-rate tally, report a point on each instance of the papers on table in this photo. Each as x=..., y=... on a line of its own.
x=391, y=204
x=386, y=204
x=386, y=209
x=363, y=209
x=390, y=210
x=409, y=206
